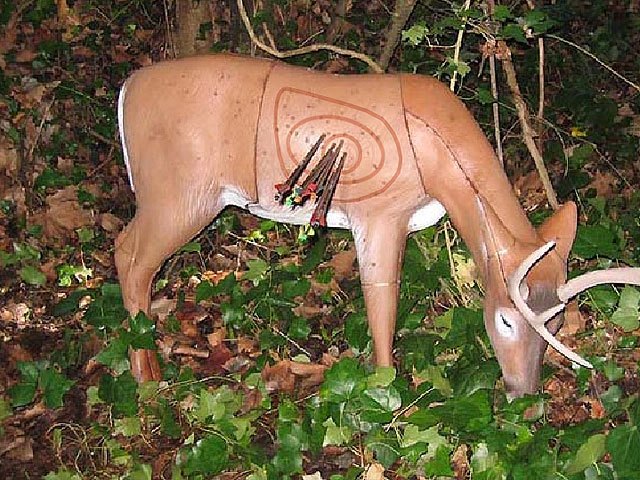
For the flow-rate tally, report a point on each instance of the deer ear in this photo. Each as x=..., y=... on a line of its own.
x=561, y=228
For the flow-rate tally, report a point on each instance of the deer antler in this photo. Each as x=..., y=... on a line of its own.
x=538, y=320
x=591, y=279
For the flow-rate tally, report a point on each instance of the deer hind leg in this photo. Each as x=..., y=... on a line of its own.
x=380, y=248
x=152, y=236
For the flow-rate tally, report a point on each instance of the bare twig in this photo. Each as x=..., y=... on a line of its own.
x=491, y=5
x=600, y=62
x=456, y=54
x=401, y=14
x=523, y=116
x=169, y=33
x=337, y=22
x=308, y=49
x=496, y=108
x=540, y=79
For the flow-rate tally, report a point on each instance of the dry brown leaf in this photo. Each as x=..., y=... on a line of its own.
x=17, y=448
x=8, y=159
x=220, y=355
x=16, y=312
x=217, y=277
x=573, y=320
x=111, y=223
x=216, y=338
x=247, y=345
x=342, y=264
x=374, y=471
x=597, y=409
x=307, y=311
x=188, y=317
x=278, y=377
x=460, y=462
x=63, y=214
x=603, y=182
x=313, y=476
x=26, y=56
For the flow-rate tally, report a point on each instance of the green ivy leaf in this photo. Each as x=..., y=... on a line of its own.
x=62, y=474
x=623, y=443
x=627, y=315
x=141, y=471
x=415, y=34
x=32, y=275
x=295, y=288
x=54, y=385
x=381, y=377
x=168, y=424
x=191, y=247
x=292, y=441
x=514, y=31
x=257, y=272
x=356, y=331
x=142, y=332
x=611, y=398
x=107, y=310
x=343, y=381
x=128, y=426
x=502, y=13
x=315, y=256
x=209, y=407
x=595, y=240
x=485, y=97
x=208, y=456
x=24, y=392
x=589, y=452
x=115, y=355
x=299, y=328
x=120, y=392
x=336, y=435
x=232, y=314
x=440, y=464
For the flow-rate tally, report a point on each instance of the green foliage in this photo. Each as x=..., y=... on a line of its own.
x=39, y=377
x=25, y=257
x=446, y=391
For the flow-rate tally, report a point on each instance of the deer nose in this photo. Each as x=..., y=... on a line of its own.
x=517, y=387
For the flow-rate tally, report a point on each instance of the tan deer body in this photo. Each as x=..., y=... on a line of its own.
x=206, y=132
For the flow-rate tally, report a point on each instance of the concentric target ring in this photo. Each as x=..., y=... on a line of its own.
x=374, y=156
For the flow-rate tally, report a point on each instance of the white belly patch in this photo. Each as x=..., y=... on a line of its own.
x=424, y=217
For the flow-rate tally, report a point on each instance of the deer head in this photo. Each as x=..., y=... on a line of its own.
x=527, y=291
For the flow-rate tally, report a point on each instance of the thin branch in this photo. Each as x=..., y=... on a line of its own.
x=523, y=116
x=491, y=6
x=300, y=51
x=541, y=93
x=600, y=62
x=456, y=53
x=496, y=108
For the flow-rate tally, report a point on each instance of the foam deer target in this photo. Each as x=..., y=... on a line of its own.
x=206, y=132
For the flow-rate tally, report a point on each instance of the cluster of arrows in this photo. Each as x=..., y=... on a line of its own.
x=319, y=185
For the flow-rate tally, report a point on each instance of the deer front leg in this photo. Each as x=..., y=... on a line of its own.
x=380, y=248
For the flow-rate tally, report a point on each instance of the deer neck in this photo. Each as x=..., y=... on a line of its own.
x=467, y=179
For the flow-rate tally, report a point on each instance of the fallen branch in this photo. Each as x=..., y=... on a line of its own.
x=523, y=115
x=301, y=51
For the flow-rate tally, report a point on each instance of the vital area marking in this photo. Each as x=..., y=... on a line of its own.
x=374, y=153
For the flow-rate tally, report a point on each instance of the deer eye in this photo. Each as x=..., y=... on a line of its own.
x=505, y=326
